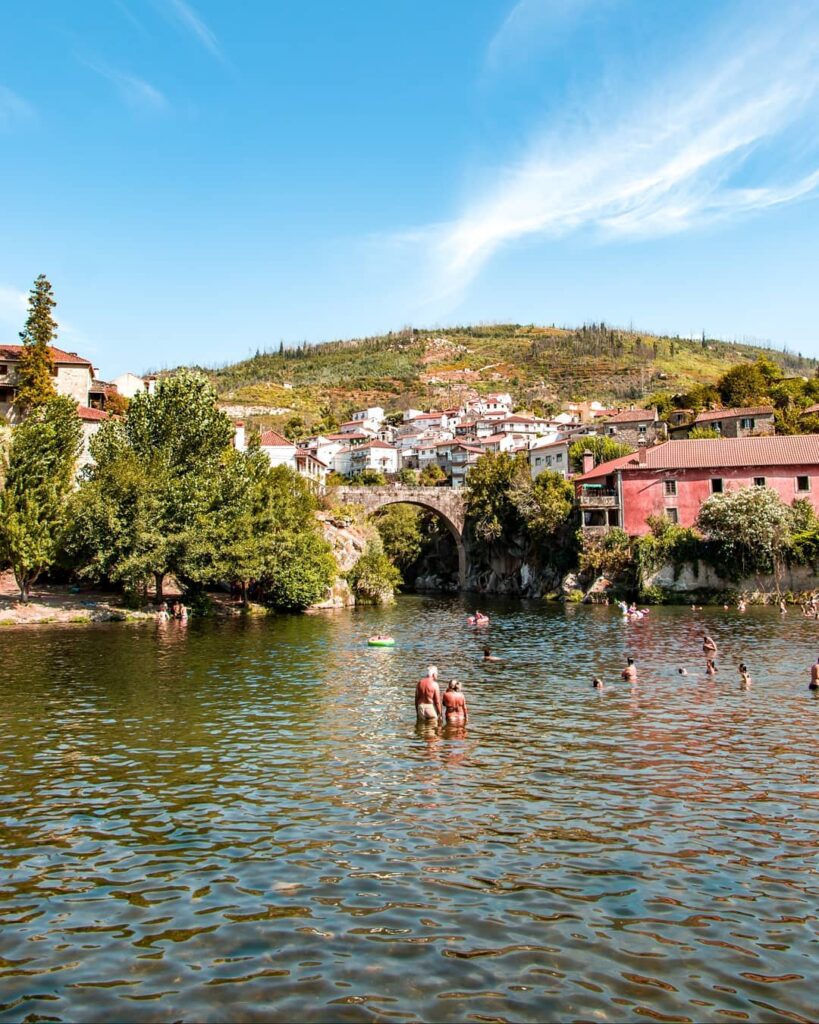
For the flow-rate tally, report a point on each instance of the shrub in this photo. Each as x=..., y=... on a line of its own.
x=373, y=578
x=750, y=530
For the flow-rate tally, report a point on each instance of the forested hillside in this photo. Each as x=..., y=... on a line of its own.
x=541, y=366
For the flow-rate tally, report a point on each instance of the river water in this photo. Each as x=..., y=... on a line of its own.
x=242, y=821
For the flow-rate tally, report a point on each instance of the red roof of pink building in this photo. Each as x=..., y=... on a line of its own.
x=718, y=453
x=272, y=439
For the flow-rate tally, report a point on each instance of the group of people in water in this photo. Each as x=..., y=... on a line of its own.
x=432, y=706
x=175, y=610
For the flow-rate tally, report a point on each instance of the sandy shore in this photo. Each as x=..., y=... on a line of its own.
x=55, y=603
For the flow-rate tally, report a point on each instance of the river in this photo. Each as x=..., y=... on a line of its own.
x=241, y=820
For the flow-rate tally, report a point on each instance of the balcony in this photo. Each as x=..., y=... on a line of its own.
x=598, y=497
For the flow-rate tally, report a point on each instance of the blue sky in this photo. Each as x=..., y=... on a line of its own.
x=199, y=179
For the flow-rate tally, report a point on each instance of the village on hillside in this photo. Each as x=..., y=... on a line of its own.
x=663, y=472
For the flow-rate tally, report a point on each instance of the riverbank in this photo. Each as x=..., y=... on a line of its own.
x=60, y=603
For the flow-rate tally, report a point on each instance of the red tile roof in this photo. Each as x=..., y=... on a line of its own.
x=347, y=437
x=88, y=414
x=719, y=453
x=632, y=416
x=272, y=439
x=811, y=410
x=374, y=444
x=12, y=352
x=728, y=414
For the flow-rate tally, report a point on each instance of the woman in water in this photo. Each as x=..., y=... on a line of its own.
x=710, y=667
x=455, y=709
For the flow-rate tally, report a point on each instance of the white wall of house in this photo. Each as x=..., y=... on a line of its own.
x=553, y=456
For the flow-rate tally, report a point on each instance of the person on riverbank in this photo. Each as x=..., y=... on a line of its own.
x=814, y=676
x=629, y=673
x=489, y=656
x=710, y=667
x=708, y=645
x=454, y=704
x=428, y=706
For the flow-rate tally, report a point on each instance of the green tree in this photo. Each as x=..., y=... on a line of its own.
x=748, y=384
x=408, y=477
x=749, y=529
x=602, y=448
x=546, y=505
x=399, y=527
x=490, y=494
x=39, y=465
x=35, y=371
x=702, y=433
x=153, y=477
x=369, y=478
x=374, y=578
x=431, y=475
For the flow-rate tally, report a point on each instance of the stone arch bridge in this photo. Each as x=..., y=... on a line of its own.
x=448, y=503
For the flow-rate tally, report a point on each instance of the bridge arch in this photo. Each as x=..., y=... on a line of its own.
x=447, y=503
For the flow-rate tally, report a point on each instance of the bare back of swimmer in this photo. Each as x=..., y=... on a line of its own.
x=454, y=703
x=428, y=697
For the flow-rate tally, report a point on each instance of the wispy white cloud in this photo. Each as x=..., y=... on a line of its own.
x=188, y=18
x=13, y=304
x=137, y=93
x=534, y=24
x=679, y=160
x=13, y=107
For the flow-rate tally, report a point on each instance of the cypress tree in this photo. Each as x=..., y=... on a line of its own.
x=35, y=371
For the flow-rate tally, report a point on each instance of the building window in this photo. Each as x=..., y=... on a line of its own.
x=612, y=430
x=716, y=485
x=671, y=488
x=642, y=428
x=747, y=424
x=558, y=458
x=673, y=515
x=3, y=369
x=759, y=481
x=538, y=460
x=803, y=483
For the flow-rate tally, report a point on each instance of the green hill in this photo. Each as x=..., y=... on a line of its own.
x=540, y=366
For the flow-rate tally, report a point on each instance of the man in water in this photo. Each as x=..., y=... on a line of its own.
x=629, y=673
x=708, y=645
x=428, y=697
x=454, y=703
x=488, y=655
x=814, y=676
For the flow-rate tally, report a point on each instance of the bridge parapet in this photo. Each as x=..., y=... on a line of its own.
x=448, y=502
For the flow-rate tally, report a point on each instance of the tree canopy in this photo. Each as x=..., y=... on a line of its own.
x=35, y=371
x=602, y=448
x=39, y=473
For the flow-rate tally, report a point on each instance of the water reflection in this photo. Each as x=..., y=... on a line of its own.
x=246, y=822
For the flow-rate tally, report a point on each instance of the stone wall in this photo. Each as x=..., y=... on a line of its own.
x=693, y=577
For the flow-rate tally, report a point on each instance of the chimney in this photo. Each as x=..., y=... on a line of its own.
x=588, y=461
x=239, y=436
x=641, y=454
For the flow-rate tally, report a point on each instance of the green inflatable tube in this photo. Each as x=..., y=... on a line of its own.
x=377, y=642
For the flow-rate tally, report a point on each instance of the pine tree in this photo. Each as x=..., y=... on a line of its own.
x=36, y=369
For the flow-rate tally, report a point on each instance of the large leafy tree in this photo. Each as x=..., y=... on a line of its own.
x=547, y=506
x=491, y=485
x=748, y=384
x=399, y=527
x=602, y=448
x=153, y=477
x=40, y=463
x=750, y=528
x=35, y=380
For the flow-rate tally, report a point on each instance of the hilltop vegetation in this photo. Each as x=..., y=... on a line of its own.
x=319, y=385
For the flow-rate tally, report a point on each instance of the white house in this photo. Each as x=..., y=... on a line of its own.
x=550, y=454
x=130, y=384
x=357, y=427
x=372, y=417
x=376, y=455
x=462, y=457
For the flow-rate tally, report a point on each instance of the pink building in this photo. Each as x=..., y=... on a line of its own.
x=676, y=477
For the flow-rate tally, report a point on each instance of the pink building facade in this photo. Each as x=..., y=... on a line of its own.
x=675, y=478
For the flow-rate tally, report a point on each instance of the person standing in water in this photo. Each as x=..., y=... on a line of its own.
x=710, y=667
x=744, y=676
x=708, y=645
x=454, y=702
x=629, y=673
x=814, y=676
x=488, y=655
x=428, y=706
